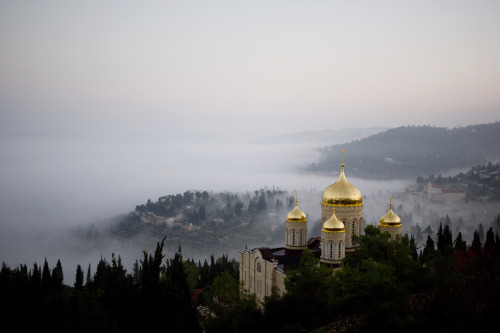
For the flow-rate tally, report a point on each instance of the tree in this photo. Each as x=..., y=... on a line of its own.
x=89, y=277
x=429, y=250
x=79, y=278
x=46, y=277
x=460, y=244
x=225, y=289
x=202, y=215
x=476, y=245
x=238, y=208
x=428, y=230
x=489, y=244
x=151, y=268
x=481, y=233
x=57, y=276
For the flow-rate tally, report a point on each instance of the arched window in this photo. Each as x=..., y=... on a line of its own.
x=331, y=250
x=340, y=250
x=258, y=267
x=324, y=249
x=353, y=224
x=301, y=240
x=293, y=236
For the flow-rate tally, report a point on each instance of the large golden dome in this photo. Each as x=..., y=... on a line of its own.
x=390, y=219
x=296, y=215
x=333, y=224
x=342, y=193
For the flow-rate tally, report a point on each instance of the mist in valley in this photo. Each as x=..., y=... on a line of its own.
x=103, y=107
x=65, y=209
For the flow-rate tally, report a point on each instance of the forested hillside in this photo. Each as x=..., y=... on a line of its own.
x=407, y=152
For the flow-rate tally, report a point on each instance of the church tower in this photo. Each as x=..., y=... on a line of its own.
x=333, y=241
x=391, y=223
x=347, y=201
x=296, y=229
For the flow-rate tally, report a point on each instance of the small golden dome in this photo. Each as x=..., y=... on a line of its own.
x=342, y=193
x=296, y=215
x=390, y=219
x=334, y=224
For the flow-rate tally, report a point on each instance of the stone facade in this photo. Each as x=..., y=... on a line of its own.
x=394, y=231
x=332, y=247
x=352, y=216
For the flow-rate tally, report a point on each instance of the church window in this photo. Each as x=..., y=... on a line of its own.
x=331, y=250
x=258, y=267
x=293, y=236
x=340, y=249
x=301, y=240
x=353, y=224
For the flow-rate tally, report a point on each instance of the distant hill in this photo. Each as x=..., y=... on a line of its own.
x=325, y=137
x=407, y=152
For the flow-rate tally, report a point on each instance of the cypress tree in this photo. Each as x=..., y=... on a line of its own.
x=413, y=247
x=428, y=249
x=46, y=277
x=489, y=244
x=460, y=244
x=89, y=277
x=79, y=278
x=481, y=233
x=476, y=242
x=57, y=276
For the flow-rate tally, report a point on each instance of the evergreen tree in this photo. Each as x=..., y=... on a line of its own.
x=137, y=272
x=202, y=215
x=476, y=242
x=460, y=244
x=481, y=233
x=489, y=244
x=413, y=247
x=57, y=276
x=46, y=276
x=151, y=268
x=238, y=208
x=89, y=277
x=79, y=278
x=429, y=249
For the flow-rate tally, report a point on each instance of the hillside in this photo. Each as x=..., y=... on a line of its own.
x=407, y=152
x=325, y=136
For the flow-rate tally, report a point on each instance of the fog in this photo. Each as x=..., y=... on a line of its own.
x=104, y=105
x=53, y=190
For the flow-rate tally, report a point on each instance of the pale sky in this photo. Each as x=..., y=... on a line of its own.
x=201, y=69
x=104, y=104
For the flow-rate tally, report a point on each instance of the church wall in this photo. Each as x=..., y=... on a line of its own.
x=348, y=215
x=393, y=231
x=258, y=276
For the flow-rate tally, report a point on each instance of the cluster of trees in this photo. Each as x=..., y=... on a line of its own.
x=413, y=150
x=158, y=298
x=448, y=285
x=208, y=209
x=384, y=285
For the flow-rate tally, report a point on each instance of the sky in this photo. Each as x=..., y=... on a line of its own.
x=108, y=99
x=104, y=104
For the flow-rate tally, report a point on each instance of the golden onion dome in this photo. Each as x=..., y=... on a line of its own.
x=334, y=224
x=296, y=215
x=342, y=193
x=390, y=219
